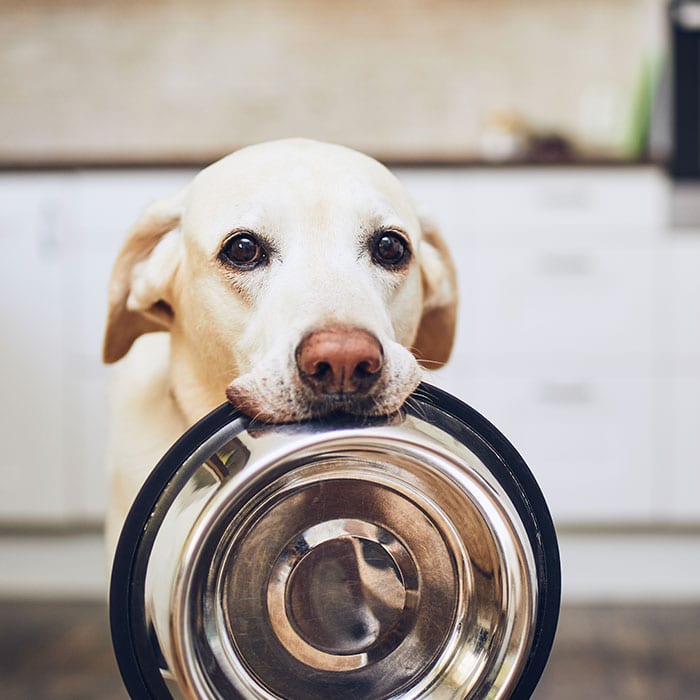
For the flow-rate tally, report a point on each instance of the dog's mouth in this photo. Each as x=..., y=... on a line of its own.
x=288, y=409
x=340, y=403
x=286, y=404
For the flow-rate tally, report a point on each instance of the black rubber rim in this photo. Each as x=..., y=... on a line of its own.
x=134, y=651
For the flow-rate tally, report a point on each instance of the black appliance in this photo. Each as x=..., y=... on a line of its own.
x=684, y=16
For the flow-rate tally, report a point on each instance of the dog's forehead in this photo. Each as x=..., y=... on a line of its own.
x=295, y=182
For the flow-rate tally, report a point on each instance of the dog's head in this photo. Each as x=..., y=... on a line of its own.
x=293, y=275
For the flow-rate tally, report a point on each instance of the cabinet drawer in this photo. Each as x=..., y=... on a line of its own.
x=585, y=430
x=562, y=301
x=526, y=207
x=679, y=485
x=598, y=205
x=680, y=297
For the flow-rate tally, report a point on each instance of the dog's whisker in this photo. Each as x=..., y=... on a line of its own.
x=226, y=373
x=416, y=407
x=434, y=363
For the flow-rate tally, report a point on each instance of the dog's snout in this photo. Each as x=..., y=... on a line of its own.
x=340, y=361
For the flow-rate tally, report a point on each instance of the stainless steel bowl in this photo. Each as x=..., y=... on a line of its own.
x=402, y=557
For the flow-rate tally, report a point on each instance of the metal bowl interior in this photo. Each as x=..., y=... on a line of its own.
x=410, y=556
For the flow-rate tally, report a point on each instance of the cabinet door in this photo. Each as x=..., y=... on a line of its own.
x=679, y=298
x=585, y=428
x=566, y=300
x=679, y=368
x=557, y=332
x=567, y=205
x=33, y=225
x=679, y=450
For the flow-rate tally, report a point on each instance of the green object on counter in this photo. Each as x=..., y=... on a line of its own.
x=639, y=121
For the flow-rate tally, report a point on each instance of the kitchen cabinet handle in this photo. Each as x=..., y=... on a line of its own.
x=48, y=235
x=571, y=393
x=565, y=199
x=566, y=264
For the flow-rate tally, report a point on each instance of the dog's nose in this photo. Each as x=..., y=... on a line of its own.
x=339, y=361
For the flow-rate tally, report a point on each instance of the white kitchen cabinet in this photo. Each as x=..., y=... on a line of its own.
x=60, y=234
x=34, y=223
x=579, y=333
x=557, y=344
x=559, y=206
x=585, y=428
x=560, y=302
x=678, y=479
x=679, y=294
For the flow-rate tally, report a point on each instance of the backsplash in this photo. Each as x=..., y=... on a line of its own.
x=408, y=80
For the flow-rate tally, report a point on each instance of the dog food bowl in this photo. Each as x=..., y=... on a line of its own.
x=404, y=557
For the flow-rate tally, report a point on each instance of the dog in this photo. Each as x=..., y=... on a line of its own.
x=293, y=278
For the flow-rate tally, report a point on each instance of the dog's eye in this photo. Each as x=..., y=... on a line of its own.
x=390, y=249
x=243, y=251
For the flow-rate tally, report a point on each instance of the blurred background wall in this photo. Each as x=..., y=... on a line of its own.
x=171, y=80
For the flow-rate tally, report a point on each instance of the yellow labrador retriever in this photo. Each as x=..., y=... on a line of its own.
x=292, y=277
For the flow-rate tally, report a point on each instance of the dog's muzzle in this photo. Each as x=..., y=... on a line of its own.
x=403, y=557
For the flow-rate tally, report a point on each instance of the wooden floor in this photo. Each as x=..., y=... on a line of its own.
x=63, y=652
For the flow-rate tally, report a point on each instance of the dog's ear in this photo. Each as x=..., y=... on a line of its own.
x=139, y=289
x=436, y=330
